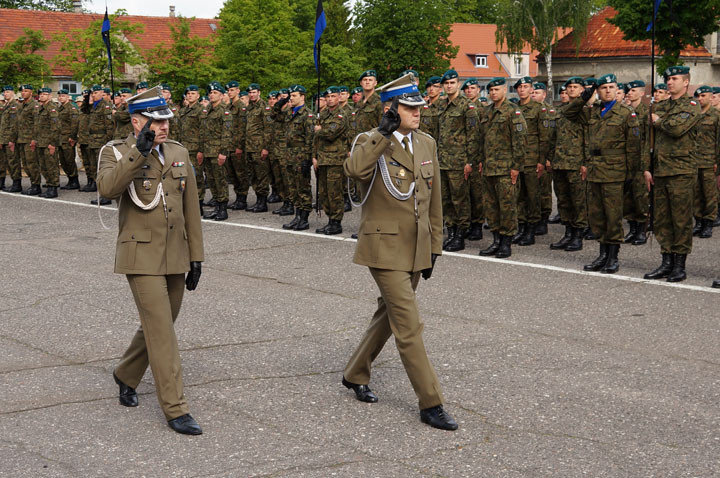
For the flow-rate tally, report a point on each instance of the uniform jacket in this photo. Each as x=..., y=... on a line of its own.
x=391, y=235
x=458, y=130
x=26, y=120
x=532, y=111
x=100, y=124
x=190, y=126
x=300, y=132
x=83, y=136
x=255, y=127
x=47, y=125
x=235, y=108
x=8, y=122
x=123, y=124
x=174, y=132
x=367, y=114
x=149, y=243
x=707, y=138
x=504, y=141
x=642, y=111
x=547, y=133
x=331, y=141
x=216, y=131
x=69, y=120
x=429, y=119
x=569, y=143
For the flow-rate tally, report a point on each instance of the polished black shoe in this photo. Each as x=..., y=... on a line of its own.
x=630, y=236
x=698, y=227
x=335, y=227
x=678, y=271
x=16, y=186
x=475, y=233
x=240, y=203
x=354, y=235
x=362, y=392
x=103, y=201
x=599, y=261
x=576, y=240
x=541, y=228
x=641, y=235
x=437, y=417
x=186, y=425
x=554, y=219
x=73, y=183
x=451, y=231
x=520, y=232
x=528, y=237
x=90, y=187
x=666, y=266
x=706, y=231
x=127, y=395
x=611, y=265
x=716, y=284
x=273, y=198
x=287, y=210
x=564, y=241
x=505, y=249
x=303, y=223
x=211, y=214
x=291, y=224
x=492, y=248
x=33, y=190
x=457, y=243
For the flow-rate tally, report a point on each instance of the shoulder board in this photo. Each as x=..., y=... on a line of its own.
x=115, y=142
x=423, y=133
x=339, y=116
x=693, y=102
x=173, y=142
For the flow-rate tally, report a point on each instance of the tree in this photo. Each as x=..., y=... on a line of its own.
x=536, y=22
x=680, y=23
x=19, y=64
x=186, y=60
x=399, y=34
x=55, y=5
x=83, y=52
x=474, y=11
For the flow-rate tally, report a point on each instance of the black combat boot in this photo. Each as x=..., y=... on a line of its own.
x=641, y=235
x=458, y=241
x=451, y=230
x=505, y=249
x=576, y=240
x=260, y=205
x=520, y=232
x=630, y=236
x=321, y=230
x=240, y=203
x=90, y=187
x=211, y=214
x=201, y=208
x=492, y=248
x=16, y=186
x=475, y=232
x=588, y=235
x=554, y=219
x=678, y=271
x=528, y=238
x=33, y=190
x=335, y=227
x=599, y=261
x=273, y=198
x=50, y=192
x=348, y=206
x=222, y=213
x=2, y=184
x=103, y=201
x=293, y=223
x=303, y=223
x=611, y=265
x=716, y=284
x=666, y=266
x=541, y=228
x=717, y=219
x=706, y=231
x=213, y=202
x=288, y=210
x=564, y=241
x=73, y=183
x=698, y=226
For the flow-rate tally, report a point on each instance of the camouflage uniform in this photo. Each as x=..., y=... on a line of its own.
x=8, y=134
x=457, y=146
x=258, y=167
x=429, y=119
x=47, y=133
x=367, y=115
x=174, y=132
x=300, y=132
x=190, y=136
x=614, y=139
x=477, y=215
x=529, y=190
x=276, y=142
x=123, y=125
x=100, y=131
x=547, y=135
x=215, y=139
x=236, y=166
x=707, y=131
x=504, y=145
x=281, y=118
x=83, y=140
x=675, y=173
x=69, y=118
x=636, y=197
x=331, y=152
x=566, y=162
x=25, y=126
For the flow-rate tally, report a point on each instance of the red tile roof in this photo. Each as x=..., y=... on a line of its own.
x=606, y=40
x=157, y=29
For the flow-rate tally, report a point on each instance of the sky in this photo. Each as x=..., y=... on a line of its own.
x=186, y=8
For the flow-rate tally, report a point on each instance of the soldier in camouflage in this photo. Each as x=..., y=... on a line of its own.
x=236, y=166
x=121, y=116
x=548, y=117
x=429, y=112
x=8, y=138
x=280, y=118
x=174, y=133
x=256, y=152
x=100, y=130
x=215, y=143
x=674, y=174
x=191, y=116
x=275, y=141
x=69, y=116
x=25, y=144
x=636, y=200
x=471, y=89
x=707, y=145
x=369, y=110
x=46, y=134
x=83, y=135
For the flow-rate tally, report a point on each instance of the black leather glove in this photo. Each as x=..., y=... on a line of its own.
x=305, y=166
x=588, y=92
x=281, y=102
x=426, y=273
x=193, y=277
x=390, y=121
x=145, y=139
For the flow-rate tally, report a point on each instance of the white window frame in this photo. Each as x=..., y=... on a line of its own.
x=518, y=66
x=65, y=84
x=481, y=61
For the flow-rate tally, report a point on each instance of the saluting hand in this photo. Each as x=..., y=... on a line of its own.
x=145, y=139
x=390, y=120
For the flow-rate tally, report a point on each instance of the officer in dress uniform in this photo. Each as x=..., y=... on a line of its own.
x=159, y=240
x=400, y=238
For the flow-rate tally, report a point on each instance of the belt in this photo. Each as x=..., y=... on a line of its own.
x=605, y=152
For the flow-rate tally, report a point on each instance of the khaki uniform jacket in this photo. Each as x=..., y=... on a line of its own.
x=69, y=120
x=393, y=234
x=148, y=242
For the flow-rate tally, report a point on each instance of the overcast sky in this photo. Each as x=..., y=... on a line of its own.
x=186, y=8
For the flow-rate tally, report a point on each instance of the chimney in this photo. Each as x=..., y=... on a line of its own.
x=172, y=10
x=77, y=6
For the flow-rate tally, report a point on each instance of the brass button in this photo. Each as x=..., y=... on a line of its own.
x=171, y=226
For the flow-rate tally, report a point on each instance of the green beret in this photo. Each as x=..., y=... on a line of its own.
x=497, y=81
x=284, y=91
x=253, y=86
x=297, y=89
x=192, y=88
x=660, y=86
x=367, y=73
x=525, y=80
x=232, y=84
x=433, y=80
x=204, y=98
x=412, y=72
x=562, y=88
x=357, y=89
x=574, y=80
x=343, y=89
x=448, y=75
x=539, y=86
x=272, y=94
x=589, y=81
x=243, y=92
x=96, y=88
x=128, y=90
x=86, y=92
x=606, y=79
x=636, y=84
x=469, y=82
x=703, y=89
x=716, y=89
x=142, y=84
x=324, y=93
x=621, y=86
x=165, y=86
x=45, y=89
x=676, y=70
x=63, y=91
x=333, y=89
x=107, y=90
x=8, y=88
x=215, y=85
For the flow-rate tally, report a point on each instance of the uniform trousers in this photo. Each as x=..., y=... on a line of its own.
x=13, y=161
x=4, y=168
x=49, y=166
x=29, y=161
x=92, y=162
x=237, y=173
x=546, y=195
x=706, y=197
x=66, y=156
x=636, y=203
x=330, y=191
x=397, y=314
x=218, y=180
x=259, y=169
x=199, y=174
x=158, y=300
x=571, y=194
x=477, y=214
x=85, y=158
x=276, y=172
x=673, y=212
x=605, y=211
x=529, y=195
x=302, y=186
x=455, y=198
x=501, y=204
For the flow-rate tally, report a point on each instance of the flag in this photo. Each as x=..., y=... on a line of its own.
x=105, y=32
x=655, y=10
x=320, y=24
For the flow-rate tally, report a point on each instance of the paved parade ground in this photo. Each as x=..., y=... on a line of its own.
x=549, y=371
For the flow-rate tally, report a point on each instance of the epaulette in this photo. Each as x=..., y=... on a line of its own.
x=115, y=142
x=423, y=133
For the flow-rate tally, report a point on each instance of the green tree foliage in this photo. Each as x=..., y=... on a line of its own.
x=83, y=52
x=19, y=62
x=684, y=24
x=55, y=5
x=474, y=11
x=536, y=23
x=400, y=34
x=186, y=59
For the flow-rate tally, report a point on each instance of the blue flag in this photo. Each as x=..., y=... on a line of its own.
x=105, y=32
x=320, y=24
x=655, y=10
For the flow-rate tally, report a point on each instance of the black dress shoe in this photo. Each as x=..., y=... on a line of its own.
x=186, y=425
x=103, y=201
x=127, y=395
x=362, y=392
x=436, y=417
x=354, y=235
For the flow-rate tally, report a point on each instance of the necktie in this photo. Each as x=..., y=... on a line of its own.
x=406, y=145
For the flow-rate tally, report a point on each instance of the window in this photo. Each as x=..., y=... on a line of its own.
x=518, y=66
x=73, y=87
x=481, y=61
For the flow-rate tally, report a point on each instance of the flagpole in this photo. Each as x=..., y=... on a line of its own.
x=649, y=226
x=317, y=179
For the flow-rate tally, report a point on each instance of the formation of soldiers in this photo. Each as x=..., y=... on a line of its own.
x=500, y=159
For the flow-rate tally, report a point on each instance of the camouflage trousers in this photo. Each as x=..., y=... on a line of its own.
x=84, y=157
x=330, y=191
x=49, y=166
x=528, y=204
x=4, y=167
x=636, y=199
x=477, y=215
x=237, y=173
x=277, y=178
x=673, y=212
x=90, y=160
x=29, y=161
x=706, y=196
x=605, y=211
x=570, y=191
x=546, y=195
x=66, y=157
x=12, y=162
x=259, y=173
x=501, y=204
x=301, y=183
x=199, y=174
x=455, y=198
x=218, y=181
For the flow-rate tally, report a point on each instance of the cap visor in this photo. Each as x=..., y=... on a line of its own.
x=412, y=100
x=159, y=114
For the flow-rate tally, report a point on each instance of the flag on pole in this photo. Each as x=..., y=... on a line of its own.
x=105, y=32
x=655, y=10
x=320, y=24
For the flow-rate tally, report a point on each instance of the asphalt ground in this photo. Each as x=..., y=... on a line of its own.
x=548, y=370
